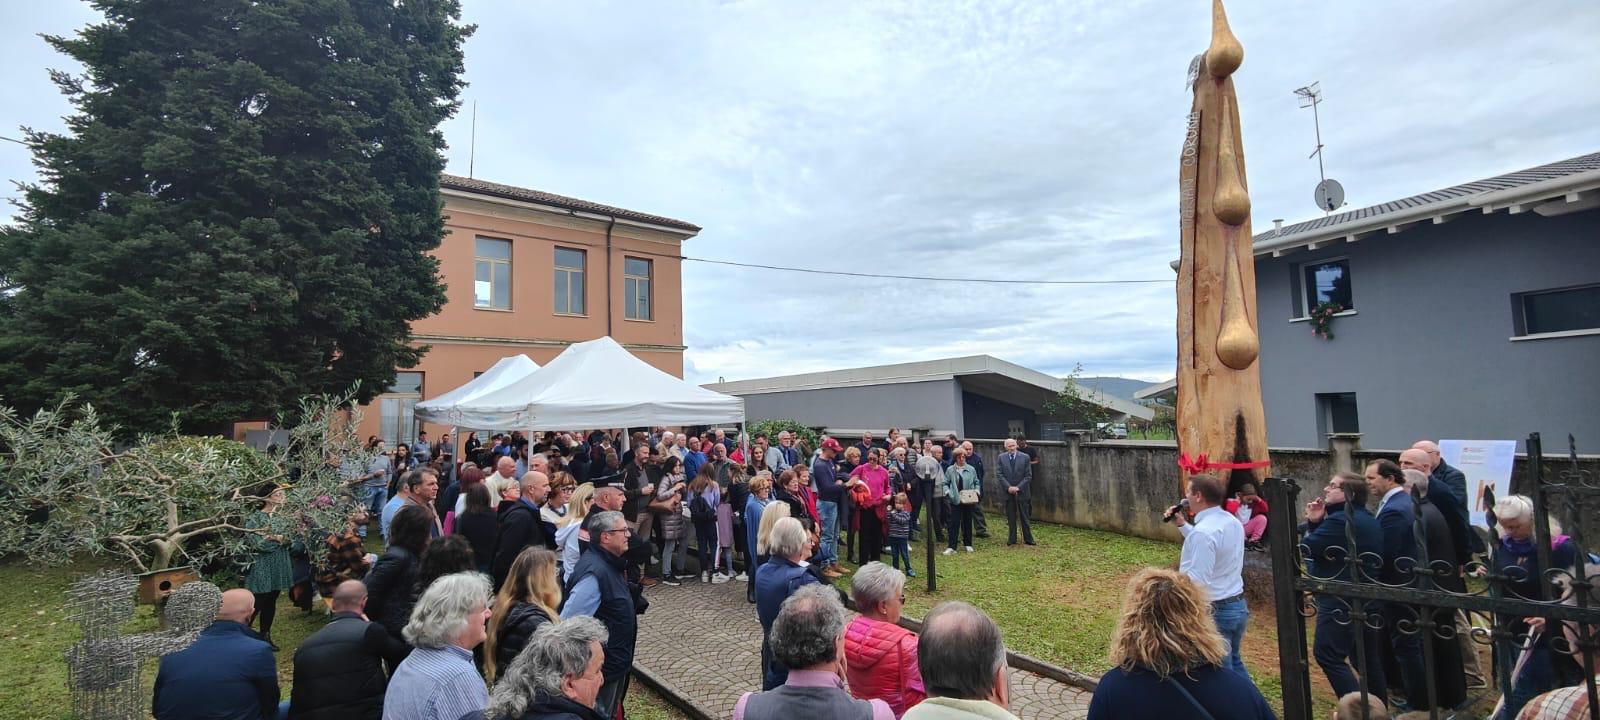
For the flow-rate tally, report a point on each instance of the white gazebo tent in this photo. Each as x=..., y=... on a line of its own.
x=458, y=407
x=598, y=384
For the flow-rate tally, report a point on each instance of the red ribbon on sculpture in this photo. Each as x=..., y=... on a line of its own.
x=1201, y=464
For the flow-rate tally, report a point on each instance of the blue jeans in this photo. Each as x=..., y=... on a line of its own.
x=828, y=512
x=373, y=500
x=1232, y=616
x=900, y=551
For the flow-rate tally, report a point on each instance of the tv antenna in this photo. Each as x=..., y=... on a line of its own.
x=1329, y=194
x=472, y=147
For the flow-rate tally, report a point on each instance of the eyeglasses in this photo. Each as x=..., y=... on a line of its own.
x=620, y=530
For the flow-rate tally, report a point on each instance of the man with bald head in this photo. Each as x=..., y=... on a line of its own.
x=338, y=671
x=228, y=672
x=1450, y=498
x=505, y=473
x=520, y=526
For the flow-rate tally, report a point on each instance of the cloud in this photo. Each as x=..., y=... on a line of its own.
x=1021, y=139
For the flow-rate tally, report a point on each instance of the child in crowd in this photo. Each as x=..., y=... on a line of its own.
x=900, y=533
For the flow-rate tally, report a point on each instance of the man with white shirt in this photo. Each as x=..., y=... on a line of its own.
x=505, y=473
x=1213, y=556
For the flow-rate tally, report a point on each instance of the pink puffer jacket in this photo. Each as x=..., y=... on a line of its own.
x=882, y=664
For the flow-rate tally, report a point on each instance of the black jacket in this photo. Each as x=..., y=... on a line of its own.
x=339, y=670
x=391, y=589
x=616, y=609
x=545, y=708
x=482, y=531
x=520, y=527
x=519, y=624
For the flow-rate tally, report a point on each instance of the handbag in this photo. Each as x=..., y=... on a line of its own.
x=969, y=497
x=662, y=505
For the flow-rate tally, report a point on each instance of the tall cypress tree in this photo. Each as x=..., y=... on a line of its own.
x=239, y=211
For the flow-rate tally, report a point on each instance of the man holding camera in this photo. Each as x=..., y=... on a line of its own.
x=1213, y=556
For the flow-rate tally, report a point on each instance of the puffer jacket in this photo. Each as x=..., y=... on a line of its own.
x=674, y=526
x=881, y=661
x=515, y=629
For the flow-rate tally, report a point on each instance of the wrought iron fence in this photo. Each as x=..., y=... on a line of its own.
x=1426, y=616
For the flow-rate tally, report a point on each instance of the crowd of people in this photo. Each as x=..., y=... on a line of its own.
x=523, y=567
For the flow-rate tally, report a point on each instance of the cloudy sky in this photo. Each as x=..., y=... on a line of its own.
x=1024, y=140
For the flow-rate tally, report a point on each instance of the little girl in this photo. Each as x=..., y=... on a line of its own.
x=900, y=533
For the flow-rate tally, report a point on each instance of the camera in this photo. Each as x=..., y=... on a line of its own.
x=1183, y=505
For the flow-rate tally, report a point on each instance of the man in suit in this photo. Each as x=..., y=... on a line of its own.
x=228, y=672
x=1016, y=479
x=1449, y=676
x=1327, y=551
x=1396, y=523
x=1452, y=503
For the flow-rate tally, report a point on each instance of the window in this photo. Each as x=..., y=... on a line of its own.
x=1557, y=311
x=636, y=289
x=397, y=420
x=1336, y=413
x=491, y=287
x=1326, y=281
x=569, y=281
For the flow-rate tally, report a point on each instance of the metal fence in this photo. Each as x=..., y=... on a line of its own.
x=1427, y=617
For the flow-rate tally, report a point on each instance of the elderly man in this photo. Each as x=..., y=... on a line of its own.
x=1449, y=677
x=782, y=457
x=1213, y=556
x=598, y=589
x=556, y=677
x=505, y=473
x=339, y=669
x=1452, y=501
x=1016, y=479
x=417, y=487
x=963, y=663
x=227, y=673
x=438, y=681
x=808, y=637
x=788, y=546
x=520, y=525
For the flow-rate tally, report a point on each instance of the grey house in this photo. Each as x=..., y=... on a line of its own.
x=975, y=396
x=1471, y=312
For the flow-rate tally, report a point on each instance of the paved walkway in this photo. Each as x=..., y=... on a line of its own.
x=703, y=641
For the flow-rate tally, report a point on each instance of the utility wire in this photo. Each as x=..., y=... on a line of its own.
x=922, y=277
x=19, y=142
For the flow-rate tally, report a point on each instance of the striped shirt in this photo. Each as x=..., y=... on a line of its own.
x=435, y=684
x=1568, y=703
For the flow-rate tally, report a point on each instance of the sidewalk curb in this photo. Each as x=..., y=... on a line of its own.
x=1025, y=663
x=672, y=694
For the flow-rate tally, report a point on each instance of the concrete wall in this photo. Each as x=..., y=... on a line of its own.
x=1428, y=353
x=1124, y=487
x=932, y=404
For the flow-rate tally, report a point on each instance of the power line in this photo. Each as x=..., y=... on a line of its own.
x=921, y=277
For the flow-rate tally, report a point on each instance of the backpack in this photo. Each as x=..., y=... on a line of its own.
x=700, y=511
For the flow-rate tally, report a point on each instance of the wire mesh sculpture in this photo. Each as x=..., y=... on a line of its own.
x=103, y=667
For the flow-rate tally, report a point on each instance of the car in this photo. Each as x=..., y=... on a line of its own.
x=1112, y=431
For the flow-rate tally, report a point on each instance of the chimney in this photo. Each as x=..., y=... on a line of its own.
x=1277, y=227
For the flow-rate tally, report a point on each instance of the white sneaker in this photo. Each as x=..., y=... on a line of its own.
x=719, y=579
x=741, y=577
x=969, y=548
x=949, y=551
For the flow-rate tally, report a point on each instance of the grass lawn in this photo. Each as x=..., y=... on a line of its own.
x=36, y=631
x=1059, y=601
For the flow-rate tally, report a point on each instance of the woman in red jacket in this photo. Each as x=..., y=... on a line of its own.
x=880, y=656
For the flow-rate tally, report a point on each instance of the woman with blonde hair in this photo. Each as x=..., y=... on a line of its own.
x=1169, y=655
x=527, y=600
x=570, y=530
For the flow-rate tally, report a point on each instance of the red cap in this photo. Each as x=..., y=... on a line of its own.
x=831, y=444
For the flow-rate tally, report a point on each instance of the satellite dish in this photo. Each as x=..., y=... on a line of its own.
x=1330, y=195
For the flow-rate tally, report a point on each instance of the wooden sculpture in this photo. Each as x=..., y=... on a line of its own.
x=1221, y=425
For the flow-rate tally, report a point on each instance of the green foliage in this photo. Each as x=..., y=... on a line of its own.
x=67, y=489
x=804, y=436
x=1075, y=404
x=239, y=212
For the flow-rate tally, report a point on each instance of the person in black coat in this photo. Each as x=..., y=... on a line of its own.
x=339, y=669
x=1327, y=551
x=391, y=584
x=525, y=602
x=480, y=525
x=1449, y=677
x=520, y=526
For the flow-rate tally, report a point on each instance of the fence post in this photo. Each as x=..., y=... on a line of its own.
x=1293, y=663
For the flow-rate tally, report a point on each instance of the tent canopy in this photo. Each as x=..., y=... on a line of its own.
x=598, y=384
x=457, y=406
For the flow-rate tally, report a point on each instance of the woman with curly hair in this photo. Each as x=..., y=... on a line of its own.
x=1168, y=656
x=528, y=599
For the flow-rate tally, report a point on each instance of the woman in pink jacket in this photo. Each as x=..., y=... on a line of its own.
x=880, y=656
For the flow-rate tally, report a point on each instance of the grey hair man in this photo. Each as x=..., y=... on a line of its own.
x=438, y=680
x=557, y=675
x=963, y=663
x=598, y=589
x=1016, y=479
x=808, y=638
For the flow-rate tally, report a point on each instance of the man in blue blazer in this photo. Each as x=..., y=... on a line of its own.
x=1327, y=548
x=227, y=673
x=1397, y=522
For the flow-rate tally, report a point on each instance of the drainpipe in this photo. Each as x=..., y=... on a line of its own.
x=611, y=222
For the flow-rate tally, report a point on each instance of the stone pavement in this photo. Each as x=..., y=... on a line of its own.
x=702, y=641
